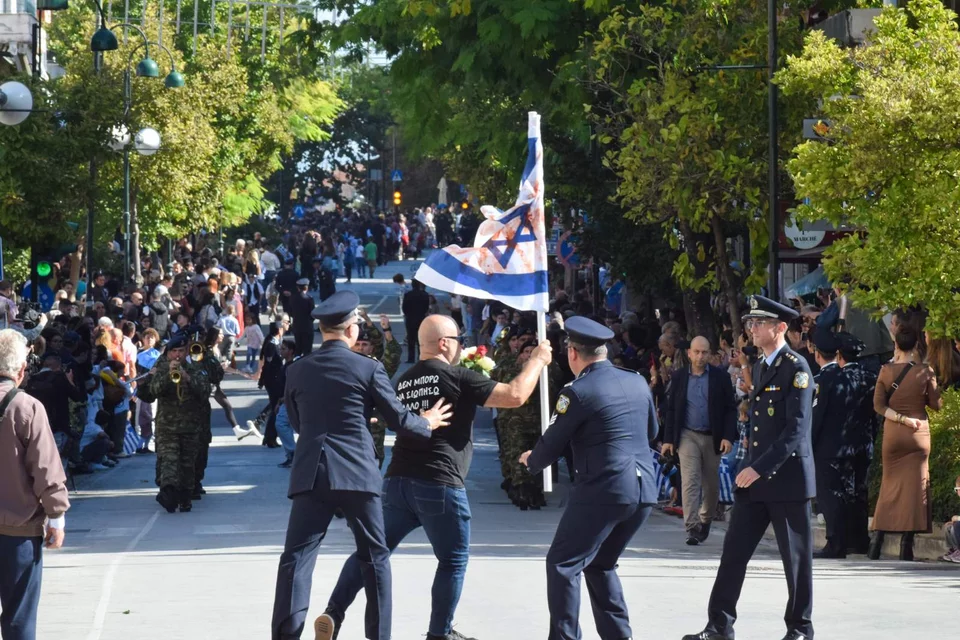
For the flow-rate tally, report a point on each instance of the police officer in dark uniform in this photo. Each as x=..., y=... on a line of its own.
x=859, y=433
x=330, y=396
x=607, y=415
x=301, y=312
x=829, y=414
x=777, y=482
x=286, y=284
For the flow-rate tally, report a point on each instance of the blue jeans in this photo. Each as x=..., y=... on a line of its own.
x=285, y=431
x=444, y=514
x=21, y=563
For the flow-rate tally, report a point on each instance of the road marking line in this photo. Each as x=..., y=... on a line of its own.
x=377, y=306
x=105, y=592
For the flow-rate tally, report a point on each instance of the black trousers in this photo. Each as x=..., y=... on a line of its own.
x=832, y=502
x=589, y=541
x=792, y=525
x=412, y=327
x=309, y=518
x=858, y=509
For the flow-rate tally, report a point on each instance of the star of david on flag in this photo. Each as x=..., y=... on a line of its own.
x=508, y=261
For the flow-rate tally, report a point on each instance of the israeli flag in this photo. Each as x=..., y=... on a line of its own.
x=508, y=261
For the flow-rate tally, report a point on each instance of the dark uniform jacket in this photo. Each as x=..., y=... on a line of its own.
x=607, y=416
x=780, y=447
x=829, y=412
x=287, y=281
x=330, y=396
x=861, y=422
x=721, y=407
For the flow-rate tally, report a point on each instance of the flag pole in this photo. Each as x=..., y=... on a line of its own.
x=544, y=398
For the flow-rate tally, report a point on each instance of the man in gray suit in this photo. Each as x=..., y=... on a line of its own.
x=330, y=396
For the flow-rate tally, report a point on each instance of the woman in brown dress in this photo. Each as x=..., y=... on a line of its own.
x=904, y=391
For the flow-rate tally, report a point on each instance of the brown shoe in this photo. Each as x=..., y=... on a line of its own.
x=325, y=627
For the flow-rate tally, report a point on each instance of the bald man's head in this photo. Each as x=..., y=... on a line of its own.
x=438, y=338
x=699, y=354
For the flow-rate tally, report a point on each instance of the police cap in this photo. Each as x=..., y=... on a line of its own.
x=762, y=307
x=364, y=335
x=337, y=309
x=826, y=341
x=850, y=345
x=587, y=332
x=303, y=282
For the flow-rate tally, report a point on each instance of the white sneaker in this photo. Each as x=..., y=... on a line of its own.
x=953, y=557
x=240, y=433
x=252, y=429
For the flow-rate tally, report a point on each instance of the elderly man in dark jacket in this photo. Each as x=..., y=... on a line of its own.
x=700, y=422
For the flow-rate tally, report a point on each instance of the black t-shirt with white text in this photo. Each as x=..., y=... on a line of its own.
x=445, y=458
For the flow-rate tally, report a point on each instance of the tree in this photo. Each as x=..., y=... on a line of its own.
x=223, y=133
x=889, y=164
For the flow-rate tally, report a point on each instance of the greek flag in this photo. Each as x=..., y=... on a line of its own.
x=508, y=261
x=131, y=441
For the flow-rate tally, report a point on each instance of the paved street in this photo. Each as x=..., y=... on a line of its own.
x=130, y=571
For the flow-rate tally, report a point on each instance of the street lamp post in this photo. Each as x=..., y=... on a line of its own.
x=146, y=143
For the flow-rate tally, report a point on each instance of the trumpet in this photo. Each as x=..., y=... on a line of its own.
x=196, y=351
x=175, y=375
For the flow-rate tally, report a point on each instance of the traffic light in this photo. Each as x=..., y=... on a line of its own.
x=397, y=198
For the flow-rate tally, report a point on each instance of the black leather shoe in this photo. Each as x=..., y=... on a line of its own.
x=704, y=532
x=692, y=539
x=829, y=553
x=705, y=635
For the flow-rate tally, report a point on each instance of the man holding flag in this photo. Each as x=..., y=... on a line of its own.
x=424, y=484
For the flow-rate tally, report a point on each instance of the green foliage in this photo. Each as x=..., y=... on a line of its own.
x=687, y=142
x=891, y=162
x=222, y=134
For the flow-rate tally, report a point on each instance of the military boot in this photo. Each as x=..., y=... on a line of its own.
x=167, y=499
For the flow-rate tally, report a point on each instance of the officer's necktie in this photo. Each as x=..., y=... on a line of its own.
x=763, y=368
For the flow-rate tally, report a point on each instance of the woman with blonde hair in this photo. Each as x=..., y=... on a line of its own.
x=944, y=360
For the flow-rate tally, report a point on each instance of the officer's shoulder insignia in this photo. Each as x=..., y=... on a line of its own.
x=801, y=380
x=628, y=370
x=563, y=403
x=792, y=358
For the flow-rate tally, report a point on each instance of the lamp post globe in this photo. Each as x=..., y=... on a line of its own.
x=147, y=141
x=15, y=103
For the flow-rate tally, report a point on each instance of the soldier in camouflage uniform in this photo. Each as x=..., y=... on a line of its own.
x=179, y=423
x=507, y=369
x=212, y=365
x=521, y=432
x=379, y=344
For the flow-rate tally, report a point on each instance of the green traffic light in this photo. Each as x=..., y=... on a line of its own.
x=43, y=269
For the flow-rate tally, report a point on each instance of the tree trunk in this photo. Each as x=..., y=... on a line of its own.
x=700, y=318
x=726, y=276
